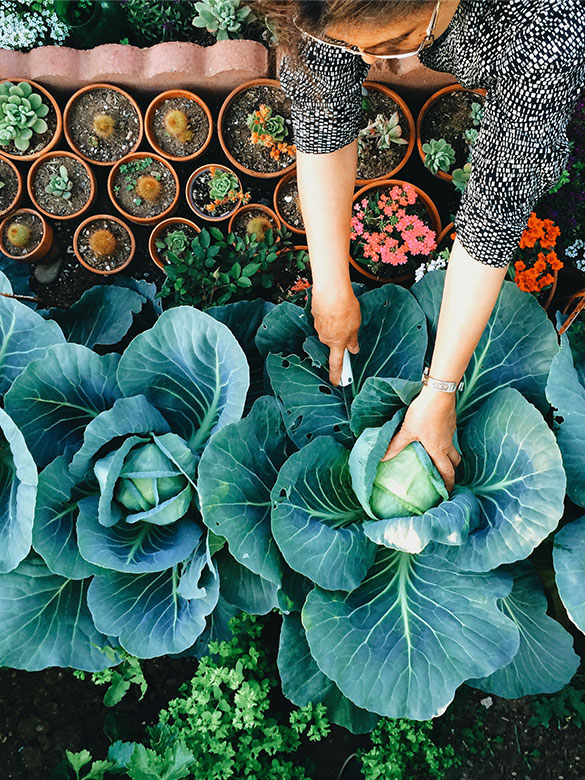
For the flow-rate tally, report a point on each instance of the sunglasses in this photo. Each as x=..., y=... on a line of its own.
x=427, y=41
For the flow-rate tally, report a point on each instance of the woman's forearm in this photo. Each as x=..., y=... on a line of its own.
x=470, y=292
x=326, y=183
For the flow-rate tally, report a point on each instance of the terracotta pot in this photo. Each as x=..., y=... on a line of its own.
x=372, y=85
x=192, y=205
x=40, y=250
x=148, y=119
x=257, y=207
x=88, y=221
x=445, y=234
x=435, y=96
x=51, y=155
x=139, y=156
x=574, y=306
x=287, y=177
x=67, y=112
x=58, y=129
x=228, y=154
x=158, y=229
x=19, y=188
x=435, y=220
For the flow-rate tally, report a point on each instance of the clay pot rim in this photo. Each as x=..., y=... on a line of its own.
x=47, y=236
x=139, y=156
x=61, y=153
x=431, y=209
x=425, y=107
x=260, y=206
x=88, y=221
x=19, y=189
x=58, y=130
x=224, y=106
x=67, y=110
x=280, y=184
x=386, y=90
x=578, y=297
x=149, y=114
x=190, y=203
x=157, y=230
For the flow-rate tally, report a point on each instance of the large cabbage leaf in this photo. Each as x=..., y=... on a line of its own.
x=415, y=628
x=569, y=564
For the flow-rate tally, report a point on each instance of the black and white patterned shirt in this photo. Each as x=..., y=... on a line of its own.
x=528, y=54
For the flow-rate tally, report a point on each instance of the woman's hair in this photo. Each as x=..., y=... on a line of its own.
x=316, y=15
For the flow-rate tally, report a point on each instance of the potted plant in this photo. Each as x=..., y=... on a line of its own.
x=447, y=127
x=387, y=134
x=214, y=192
x=102, y=123
x=536, y=265
x=61, y=185
x=92, y=22
x=178, y=125
x=394, y=224
x=253, y=219
x=11, y=189
x=255, y=131
x=104, y=244
x=169, y=238
x=30, y=120
x=25, y=235
x=144, y=187
x=287, y=204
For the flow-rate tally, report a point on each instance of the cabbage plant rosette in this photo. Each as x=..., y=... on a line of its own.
x=117, y=520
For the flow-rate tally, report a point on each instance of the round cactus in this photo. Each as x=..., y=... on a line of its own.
x=257, y=226
x=103, y=125
x=103, y=242
x=177, y=125
x=148, y=188
x=18, y=235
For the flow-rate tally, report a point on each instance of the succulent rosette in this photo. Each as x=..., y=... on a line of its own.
x=21, y=114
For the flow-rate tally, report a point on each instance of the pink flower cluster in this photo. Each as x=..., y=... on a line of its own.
x=387, y=231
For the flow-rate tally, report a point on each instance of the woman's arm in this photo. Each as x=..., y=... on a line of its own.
x=470, y=292
x=326, y=184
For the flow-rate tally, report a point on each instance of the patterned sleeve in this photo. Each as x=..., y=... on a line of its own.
x=325, y=91
x=522, y=146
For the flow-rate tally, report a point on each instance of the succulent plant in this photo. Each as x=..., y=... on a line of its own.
x=222, y=17
x=149, y=188
x=21, y=114
x=461, y=176
x=477, y=113
x=264, y=122
x=439, y=155
x=18, y=234
x=386, y=131
x=103, y=125
x=103, y=242
x=2, y=184
x=60, y=184
x=257, y=227
x=471, y=136
x=176, y=241
x=222, y=183
x=177, y=125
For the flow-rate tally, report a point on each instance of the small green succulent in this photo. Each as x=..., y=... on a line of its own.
x=2, y=184
x=439, y=155
x=21, y=114
x=476, y=113
x=263, y=121
x=461, y=176
x=386, y=131
x=222, y=183
x=176, y=241
x=60, y=184
x=222, y=17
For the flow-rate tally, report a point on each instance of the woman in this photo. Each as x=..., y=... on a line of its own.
x=530, y=56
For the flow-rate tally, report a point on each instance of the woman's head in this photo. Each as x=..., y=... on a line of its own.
x=379, y=26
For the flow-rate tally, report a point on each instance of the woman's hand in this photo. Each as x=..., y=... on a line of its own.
x=337, y=316
x=430, y=419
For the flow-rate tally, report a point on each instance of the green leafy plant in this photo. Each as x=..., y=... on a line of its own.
x=439, y=155
x=21, y=114
x=222, y=17
x=404, y=750
x=60, y=184
x=2, y=184
x=567, y=704
x=384, y=130
x=564, y=178
x=120, y=678
x=461, y=176
x=476, y=113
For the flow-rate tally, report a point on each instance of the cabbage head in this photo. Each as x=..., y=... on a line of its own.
x=408, y=484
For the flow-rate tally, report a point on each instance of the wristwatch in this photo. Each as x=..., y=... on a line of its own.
x=440, y=384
